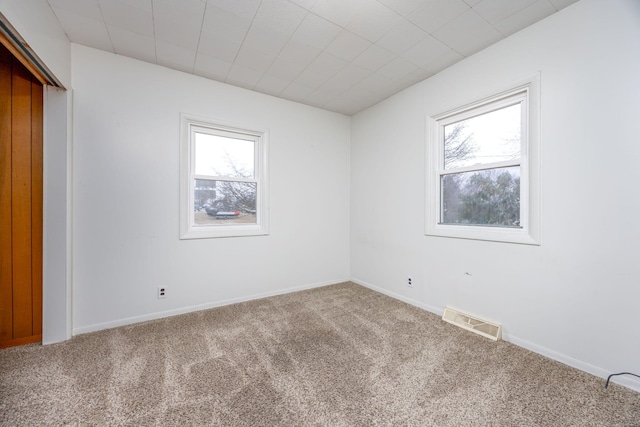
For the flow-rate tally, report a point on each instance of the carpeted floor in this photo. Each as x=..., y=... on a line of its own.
x=340, y=355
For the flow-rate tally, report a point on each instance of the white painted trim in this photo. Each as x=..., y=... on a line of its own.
x=530, y=181
x=57, y=216
x=70, y=210
x=162, y=314
x=626, y=381
x=629, y=382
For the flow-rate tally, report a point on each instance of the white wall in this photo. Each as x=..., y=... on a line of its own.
x=575, y=297
x=572, y=298
x=126, y=195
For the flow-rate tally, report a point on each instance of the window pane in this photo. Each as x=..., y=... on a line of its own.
x=487, y=138
x=224, y=202
x=487, y=197
x=221, y=156
x=204, y=194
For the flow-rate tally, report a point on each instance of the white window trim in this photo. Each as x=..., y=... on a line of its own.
x=530, y=191
x=189, y=230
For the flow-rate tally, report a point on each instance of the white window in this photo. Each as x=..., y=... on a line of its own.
x=223, y=189
x=482, y=169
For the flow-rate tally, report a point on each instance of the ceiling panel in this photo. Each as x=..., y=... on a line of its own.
x=327, y=64
x=287, y=70
x=435, y=14
x=496, y=10
x=468, y=33
x=525, y=17
x=86, y=8
x=175, y=57
x=271, y=85
x=279, y=15
x=311, y=78
x=217, y=46
x=402, y=7
x=132, y=44
x=128, y=17
x=340, y=12
x=423, y=53
x=373, y=58
x=316, y=31
x=267, y=40
x=444, y=60
x=298, y=52
x=413, y=78
x=140, y=4
x=221, y=23
x=347, y=46
x=373, y=21
x=245, y=8
x=397, y=69
x=86, y=31
x=561, y=4
x=178, y=23
x=346, y=78
x=254, y=59
x=321, y=97
x=342, y=55
x=212, y=68
x=243, y=76
x=307, y=4
x=297, y=91
x=403, y=36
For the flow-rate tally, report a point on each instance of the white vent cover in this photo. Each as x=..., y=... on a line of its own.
x=479, y=326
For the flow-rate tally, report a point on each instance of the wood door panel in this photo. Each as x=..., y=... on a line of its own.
x=21, y=195
x=6, y=284
x=21, y=202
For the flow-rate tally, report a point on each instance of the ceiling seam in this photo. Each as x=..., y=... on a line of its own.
x=155, y=38
x=106, y=27
x=195, y=57
x=242, y=44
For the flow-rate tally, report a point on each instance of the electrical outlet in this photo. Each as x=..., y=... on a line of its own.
x=410, y=281
x=162, y=292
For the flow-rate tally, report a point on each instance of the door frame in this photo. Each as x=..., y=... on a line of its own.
x=57, y=283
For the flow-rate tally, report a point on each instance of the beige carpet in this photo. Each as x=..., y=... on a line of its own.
x=340, y=355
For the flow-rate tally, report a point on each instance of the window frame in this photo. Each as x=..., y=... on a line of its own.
x=189, y=125
x=527, y=93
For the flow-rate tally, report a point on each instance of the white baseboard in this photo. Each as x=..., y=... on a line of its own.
x=182, y=310
x=630, y=382
x=627, y=381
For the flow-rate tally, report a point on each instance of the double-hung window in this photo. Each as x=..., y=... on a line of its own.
x=483, y=180
x=223, y=187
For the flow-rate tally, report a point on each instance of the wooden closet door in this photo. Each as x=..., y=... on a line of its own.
x=21, y=162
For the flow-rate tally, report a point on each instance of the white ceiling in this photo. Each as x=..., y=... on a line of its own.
x=340, y=55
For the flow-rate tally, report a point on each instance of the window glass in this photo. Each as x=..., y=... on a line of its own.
x=489, y=197
x=486, y=138
x=221, y=156
x=224, y=202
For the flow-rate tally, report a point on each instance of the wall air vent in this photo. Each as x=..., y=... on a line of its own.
x=474, y=324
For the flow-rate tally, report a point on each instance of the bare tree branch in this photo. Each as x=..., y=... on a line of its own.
x=458, y=145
